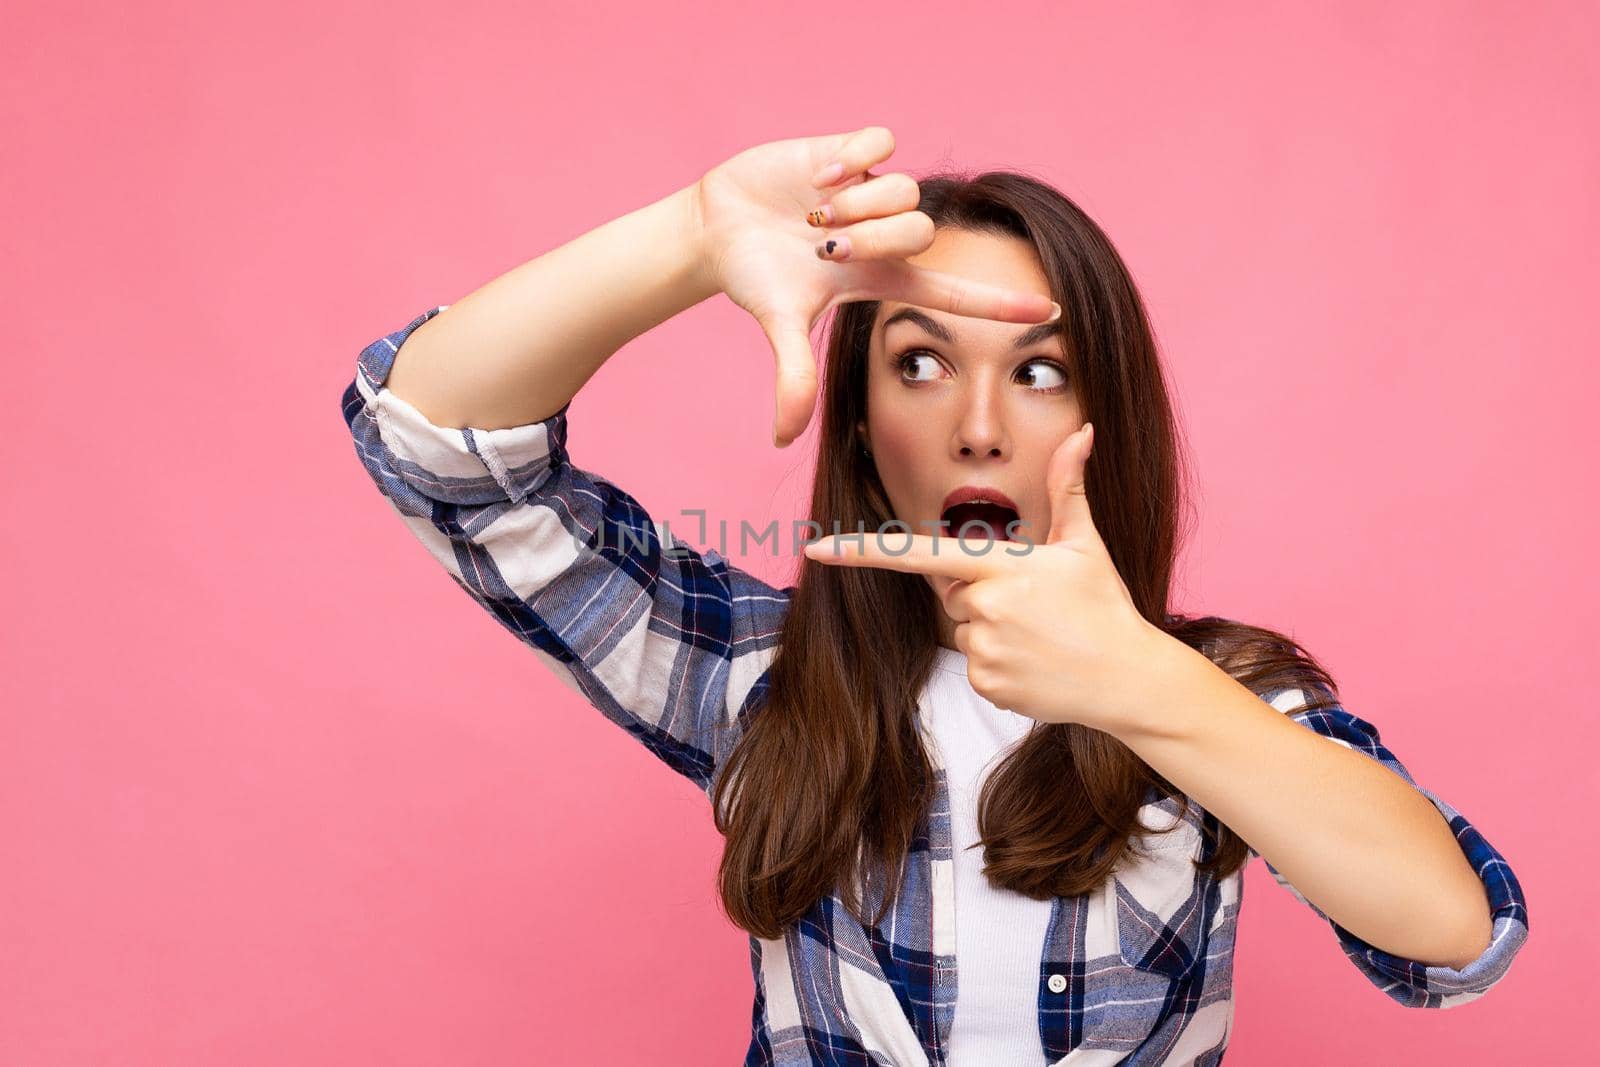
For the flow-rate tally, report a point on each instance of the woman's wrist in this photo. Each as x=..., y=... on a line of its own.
x=702, y=280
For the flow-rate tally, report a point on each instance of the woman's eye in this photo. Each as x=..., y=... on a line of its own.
x=1055, y=377
x=908, y=359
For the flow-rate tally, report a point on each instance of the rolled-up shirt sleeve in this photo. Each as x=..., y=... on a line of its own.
x=666, y=641
x=1410, y=982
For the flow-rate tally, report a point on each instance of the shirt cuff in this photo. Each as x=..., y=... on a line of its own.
x=450, y=465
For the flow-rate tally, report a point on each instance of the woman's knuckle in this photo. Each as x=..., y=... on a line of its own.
x=920, y=225
x=865, y=241
x=957, y=300
x=903, y=189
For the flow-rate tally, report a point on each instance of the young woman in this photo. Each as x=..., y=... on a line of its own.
x=985, y=800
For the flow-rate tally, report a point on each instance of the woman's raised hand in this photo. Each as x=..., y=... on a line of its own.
x=762, y=249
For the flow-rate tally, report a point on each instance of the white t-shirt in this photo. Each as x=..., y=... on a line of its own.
x=998, y=932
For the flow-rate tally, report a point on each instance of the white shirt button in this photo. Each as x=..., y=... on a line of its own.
x=1057, y=983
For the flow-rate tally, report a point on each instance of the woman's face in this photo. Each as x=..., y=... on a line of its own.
x=967, y=408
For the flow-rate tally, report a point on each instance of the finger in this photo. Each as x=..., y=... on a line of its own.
x=889, y=194
x=865, y=148
x=956, y=600
x=961, y=637
x=974, y=299
x=1064, y=478
x=796, y=384
x=969, y=560
x=942, y=585
x=895, y=237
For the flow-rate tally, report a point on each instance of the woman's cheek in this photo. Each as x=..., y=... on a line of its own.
x=900, y=448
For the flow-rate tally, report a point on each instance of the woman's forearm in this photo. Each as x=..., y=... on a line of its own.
x=518, y=348
x=1352, y=836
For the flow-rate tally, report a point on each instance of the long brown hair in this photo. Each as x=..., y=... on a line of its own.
x=829, y=781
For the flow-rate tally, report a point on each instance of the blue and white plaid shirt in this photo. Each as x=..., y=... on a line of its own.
x=673, y=645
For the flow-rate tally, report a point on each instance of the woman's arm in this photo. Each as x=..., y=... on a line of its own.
x=666, y=641
x=1420, y=901
x=460, y=418
x=517, y=349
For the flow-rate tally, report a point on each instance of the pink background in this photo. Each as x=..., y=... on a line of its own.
x=273, y=790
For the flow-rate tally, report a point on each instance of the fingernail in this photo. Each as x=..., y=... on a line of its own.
x=834, y=248
x=829, y=174
x=823, y=216
x=1056, y=314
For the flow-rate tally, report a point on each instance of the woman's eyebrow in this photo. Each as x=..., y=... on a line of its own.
x=1044, y=331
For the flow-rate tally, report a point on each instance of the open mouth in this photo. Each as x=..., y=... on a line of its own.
x=977, y=519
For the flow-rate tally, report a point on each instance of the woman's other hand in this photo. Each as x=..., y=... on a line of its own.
x=1050, y=631
x=764, y=223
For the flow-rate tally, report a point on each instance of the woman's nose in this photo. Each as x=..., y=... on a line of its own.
x=980, y=431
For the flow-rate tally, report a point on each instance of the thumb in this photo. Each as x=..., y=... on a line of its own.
x=796, y=387
x=1064, y=478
